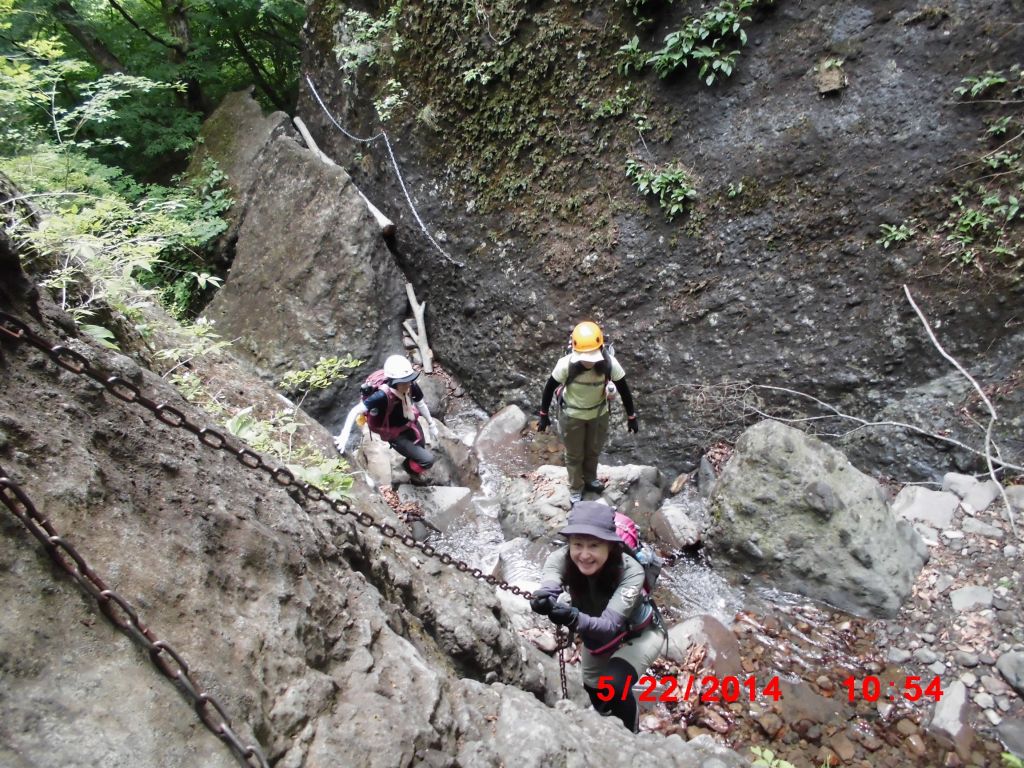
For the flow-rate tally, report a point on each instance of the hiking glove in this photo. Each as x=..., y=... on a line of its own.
x=633, y=424
x=542, y=604
x=564, y=615
x=543, y=422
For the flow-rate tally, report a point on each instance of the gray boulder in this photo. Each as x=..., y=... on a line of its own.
x=312, y=276
x=793, y=510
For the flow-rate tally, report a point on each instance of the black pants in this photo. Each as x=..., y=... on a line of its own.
x=623, y=678
x=409, y=446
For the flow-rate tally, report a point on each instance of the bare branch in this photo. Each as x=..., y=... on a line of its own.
x=419, y=334
x=984, y=399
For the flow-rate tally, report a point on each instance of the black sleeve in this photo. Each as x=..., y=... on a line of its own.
x=626, y=395
x=415, y=393
x=549, y=392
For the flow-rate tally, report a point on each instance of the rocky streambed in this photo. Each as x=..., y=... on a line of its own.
x=938, y=684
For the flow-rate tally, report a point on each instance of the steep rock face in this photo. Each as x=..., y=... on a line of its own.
x=512, y=139
x=327, y=644
x=311, y=276
x=793, y=509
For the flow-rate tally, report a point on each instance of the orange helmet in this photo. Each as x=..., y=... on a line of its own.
x=587, y=337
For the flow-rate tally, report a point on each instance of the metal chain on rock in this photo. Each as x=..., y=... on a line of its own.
x=123, y=616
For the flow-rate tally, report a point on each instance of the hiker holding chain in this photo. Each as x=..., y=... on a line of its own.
x=620, y=628
x=583, y=376
x=391, y=405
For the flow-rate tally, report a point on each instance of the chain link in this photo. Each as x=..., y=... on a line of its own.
x=564, y=638
x=124, y=616
x=16, y=329
x=118, y=610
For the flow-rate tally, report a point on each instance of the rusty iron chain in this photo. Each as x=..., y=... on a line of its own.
x=123, y=615
x=77, y=363
x=564, y=637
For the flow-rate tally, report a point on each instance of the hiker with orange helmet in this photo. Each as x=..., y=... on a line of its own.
x=391, y=405
x=582, y=377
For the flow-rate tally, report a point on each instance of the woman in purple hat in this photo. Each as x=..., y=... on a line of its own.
x=620, y=628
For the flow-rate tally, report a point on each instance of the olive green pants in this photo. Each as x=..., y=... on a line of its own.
x=584, y=440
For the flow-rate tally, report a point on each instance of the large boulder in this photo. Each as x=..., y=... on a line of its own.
x=311, y=277
x=793, y=510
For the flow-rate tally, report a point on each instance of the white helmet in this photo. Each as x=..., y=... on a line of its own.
x=399, y=370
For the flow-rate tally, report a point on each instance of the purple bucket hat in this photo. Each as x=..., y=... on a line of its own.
x=592, y=518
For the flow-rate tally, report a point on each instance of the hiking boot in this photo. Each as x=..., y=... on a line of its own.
x=413, y=468
x=594, y=486
x=575, y=496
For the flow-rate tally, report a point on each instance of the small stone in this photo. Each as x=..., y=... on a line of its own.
x=916, y=744
x=938, y=668
x=993, y=717
x=906, y=727
x=965, y=659
x=969, y=679
x=925, y=656
x=898, y=656
x=984, y=700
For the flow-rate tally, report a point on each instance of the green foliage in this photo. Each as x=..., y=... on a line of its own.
x=735, y=189
x=392, y=98
x=181, y=275
x=366, y=41
x=976, y=86
x=615, y=106
x=195, y=341
x=767, y=759
x=104, y=231
x=671, y=184
x=1012, y=761
x=326, y=371
x=275, y=436
x=708, y=40
x=631, y=57
x=983, y=221
x=899, y=234
x=192, y=54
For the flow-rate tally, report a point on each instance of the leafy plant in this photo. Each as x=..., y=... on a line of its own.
x=983, y=223
x=735, y=189
x=708, y=40
x=275, y=436
x=976, y=86
x=1010, y=760
x=326, y=371
x=364, y=40
x=196, y=341
x=899, y=233
x=671, y=184
x=767, y=759
x=631, y=57
x=393, y=99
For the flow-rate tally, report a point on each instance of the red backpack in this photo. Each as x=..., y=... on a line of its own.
x=380, y=423
x=642, y=553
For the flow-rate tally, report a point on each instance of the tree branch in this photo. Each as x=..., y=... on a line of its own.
x=155, y=38
x=984, y=399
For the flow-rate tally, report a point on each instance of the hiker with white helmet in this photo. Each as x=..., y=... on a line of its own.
x=621, y=630
x=391, y=405
x=581, y=381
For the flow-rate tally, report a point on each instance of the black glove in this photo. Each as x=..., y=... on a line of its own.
x=543, y=422
x=564, y=615
x=542, y=604
x=633, y=424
